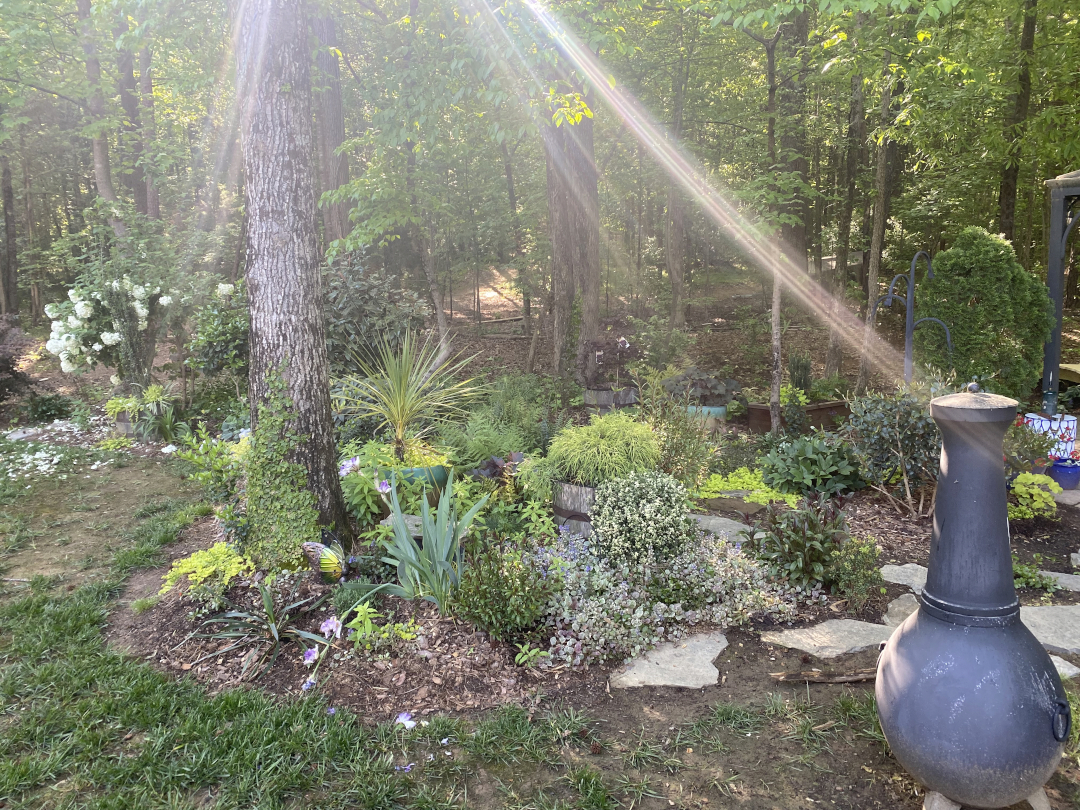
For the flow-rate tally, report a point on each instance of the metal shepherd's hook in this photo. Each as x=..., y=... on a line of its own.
x=909, y=303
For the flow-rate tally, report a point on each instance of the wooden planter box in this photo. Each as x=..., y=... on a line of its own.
x=572, y=506
x=605, y=399
x=818, y=415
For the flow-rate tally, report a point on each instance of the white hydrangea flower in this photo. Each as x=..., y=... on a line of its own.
x=53, y=346
x=165, y=300
x=115, y=379
x=110, y=338
x=66, y=366
x=139, y=292
x=95, y=295
x=73, y=294
x=97, y=347
x=143, y=324
x=52, y=311
x=140, y=309
x=225, y=290
x=115, y=285
x=84, y=309
x=74, y=322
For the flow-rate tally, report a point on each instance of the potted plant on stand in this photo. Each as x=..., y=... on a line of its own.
x=607, y=383
x=709, y=395
x=411, y=390
x=583, y=457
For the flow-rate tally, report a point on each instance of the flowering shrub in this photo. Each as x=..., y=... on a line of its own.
x=611, y=610
x=641, y=516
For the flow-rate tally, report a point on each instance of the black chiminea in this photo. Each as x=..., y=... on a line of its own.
x=968, y=699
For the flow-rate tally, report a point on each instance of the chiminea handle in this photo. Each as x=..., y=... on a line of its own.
x=1061, y=727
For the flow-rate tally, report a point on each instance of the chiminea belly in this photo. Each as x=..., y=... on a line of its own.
x=971, y=710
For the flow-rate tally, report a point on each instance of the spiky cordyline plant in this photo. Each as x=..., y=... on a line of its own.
x=409, y=386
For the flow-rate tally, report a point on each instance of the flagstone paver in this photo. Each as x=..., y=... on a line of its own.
x=899, y=609
x=1070, y=582
x=911, y=574
x=1056, y=626
x=720, y=526
x=1070, y=497
x=831, y=638
x=686, y=662
x=1064, y=668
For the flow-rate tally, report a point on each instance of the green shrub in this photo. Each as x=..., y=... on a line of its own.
x=47, y=407
x=811, y=464
x=482, y=438
x=1030, y=576
x=854, y=569
x=217, y=464
x=896, y=443
x=643, y=516
x=1025, y=447
x=363, y=499
x=208, y=574
x=502, y=594
x=752, y=482
x=799, y=543
x=998, y=313
x=609, y=447
x=800, y=371
x=219, y=337
x=829, y=388
x=735, y=451
x=1034, y=497
x=685, y=451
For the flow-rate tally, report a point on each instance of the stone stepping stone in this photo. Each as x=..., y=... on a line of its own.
x=1070, y=582
x=22, y=433
x=1064, y=668
x=899, y=609
x=686, y=662
x=720, y=526
x=831, y=638
x=1075, y=559
x=1057, y=627
x=911, y=574
x=414, y=523
x=1070, y=497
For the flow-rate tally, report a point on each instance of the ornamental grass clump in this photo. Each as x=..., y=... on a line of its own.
x=609, y=610
x=643, y=516
x=609, y=447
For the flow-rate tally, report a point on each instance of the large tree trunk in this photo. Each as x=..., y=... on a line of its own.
x=877, y=237
x=9, y=288
x=586, y=228
x=282, y=268
x=129, y=101
x=95, y=103
x=1014, y=128
x=149, y=128
x=560, y=225
x=849, y=173
x=333, y=168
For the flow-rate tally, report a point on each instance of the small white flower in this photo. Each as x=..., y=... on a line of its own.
x=52, y=311
x=53, y=346
x=110, y=338
x=115, y=379
x=225, y=290
x=165, y=300
x=73, y=294
x=97, y=347
x=140, y=310
x=66, y=366
x=169, y=448
x=74, y=322
x=143, y=325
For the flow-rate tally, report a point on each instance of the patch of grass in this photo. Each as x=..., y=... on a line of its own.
x=144, y=604
x=740, y=719
x=592, y=792
x=635, y=790
x=858, y=711
x=507, y=736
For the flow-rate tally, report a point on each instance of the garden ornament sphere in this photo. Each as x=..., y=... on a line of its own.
x=969, y=700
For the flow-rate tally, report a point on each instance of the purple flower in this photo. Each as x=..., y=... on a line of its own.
x=351, y=465
x=384, y=487
x=404, y=768
x=405, y=719
x=310, y=682
x=331, y=711
x=310, y=654
x=331, y=627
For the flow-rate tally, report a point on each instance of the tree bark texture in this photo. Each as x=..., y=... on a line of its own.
x=95, y=103
x=856, y=134
x=877, y=236
x=9, y=290
x=282, y=268
x=149, y=127
x=329, y=113
x=585, y=194
x=130, y=128
x=560, y=225
x=1014, y=127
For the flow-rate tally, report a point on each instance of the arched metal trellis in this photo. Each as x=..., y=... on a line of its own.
x=908, y=300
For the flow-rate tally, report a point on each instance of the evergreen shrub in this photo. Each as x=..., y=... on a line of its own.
x=640, y=517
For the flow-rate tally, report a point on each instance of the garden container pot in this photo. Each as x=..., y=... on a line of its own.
x=605, y=399
x=711, y=415
x=625, y=397
x=124, y=425
x=818, y=415
x=1062, y=427
x=572, y=506
x=431, y=476
x=1066, y=473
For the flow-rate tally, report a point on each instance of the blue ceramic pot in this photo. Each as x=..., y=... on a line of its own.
x=705, y=411
x=1066, y=473
x=430, y=476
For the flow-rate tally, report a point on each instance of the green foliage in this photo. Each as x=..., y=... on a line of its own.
x=685, y=451
x=799, y=543
x=1034, y=497
x=208, y=573
x=363, y=499
x=643, y=516
x=217, y=464
x=702, y=388
x=47, y=407
x=371, y=636
x=480, y=439
x=660, y=345
x=1025, y=447
x=609, y=447
x=431, y=570
x=811, y=464
x=349, y=595
x=752, y=482
x=501, y=593
x=527, y=403
x=408, y=388
x=896, y=444
x=998, y=313
x=800, y=372
x=1029, y=576
x=528, y=656
x=219, y=335
x=854, y=569
x=116, y=443
x=829, y=388
x=736, y=451
x=363, y=307
x=281, y=510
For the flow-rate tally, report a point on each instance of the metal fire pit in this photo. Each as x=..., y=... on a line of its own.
x=968, y=699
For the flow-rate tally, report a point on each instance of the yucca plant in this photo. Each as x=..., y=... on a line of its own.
x=432, y=569
x=411, y=387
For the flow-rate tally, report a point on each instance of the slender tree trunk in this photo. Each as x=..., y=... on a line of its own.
x=149, y=128
x=9, y=294
x=585, y=197
x=515, y=225
x=675, y=218
x=561, y=229
x=282, y=269
x=877, y=238
x=1014, y=127
x=430, y=270
x=849, y=173
x=329, y=113
x=95, y=103
x=129, y=101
